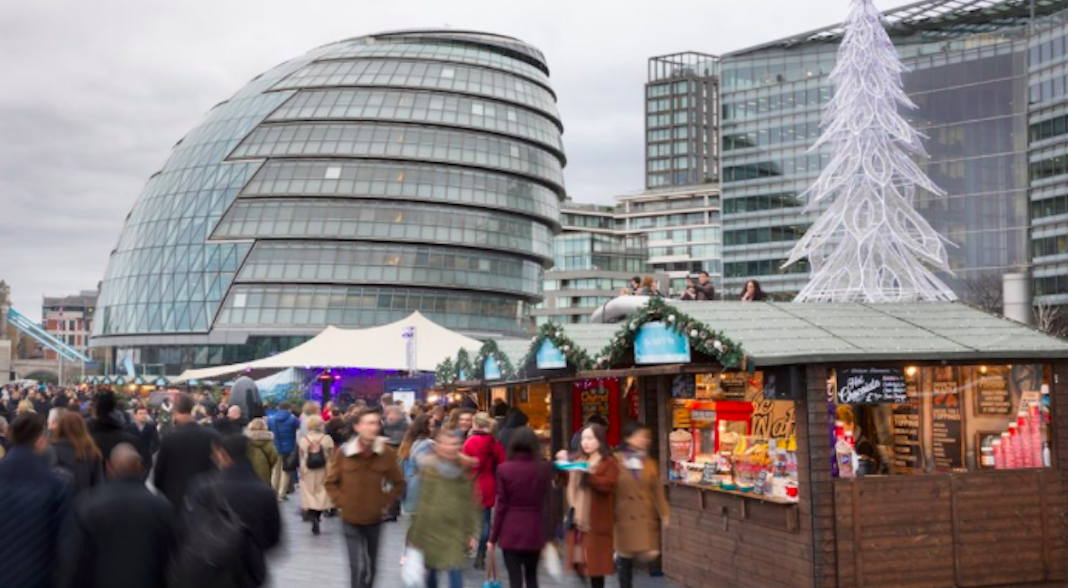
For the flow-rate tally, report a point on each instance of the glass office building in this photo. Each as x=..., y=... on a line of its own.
x=370, y=178
x=969, y=76
x=681, y=119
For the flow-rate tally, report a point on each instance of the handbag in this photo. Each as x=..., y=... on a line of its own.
x=492, y=581
x=413, y=572
x=551, y=558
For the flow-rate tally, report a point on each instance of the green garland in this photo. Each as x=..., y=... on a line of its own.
x=575, y=355
x=445, y=374
x=489, y=349
x=702, y=338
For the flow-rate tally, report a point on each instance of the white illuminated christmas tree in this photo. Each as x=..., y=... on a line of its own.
x=870, y=245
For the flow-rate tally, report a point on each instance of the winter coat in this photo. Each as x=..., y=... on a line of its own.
x=640, y=508
x=521, y=512
x=364, y=485
x=261, y=453
x=313, y=494
x=395, y=431
x=596, y=546
x=122, y=536
x=448, y=516
x=412, y=479
x=515, y=419
x=183, y=455
x=107, y=432
x=705, y=291
x=85, y=474
x=284, y=426
x=146, y=440
x=33, y=508
x=490, y=455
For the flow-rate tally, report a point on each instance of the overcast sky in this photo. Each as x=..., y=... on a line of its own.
x=94, y=94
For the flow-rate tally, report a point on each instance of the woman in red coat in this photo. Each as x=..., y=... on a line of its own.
x=484, y=447
x=521, y=513
x=591, y=501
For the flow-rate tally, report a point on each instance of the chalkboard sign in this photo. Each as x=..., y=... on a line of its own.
x=947, y=424
x=733, y=386
x=871, y=386
x=908, y=447
x=994, y=398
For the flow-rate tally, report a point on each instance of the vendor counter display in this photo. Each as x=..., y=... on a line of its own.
x=727, y=437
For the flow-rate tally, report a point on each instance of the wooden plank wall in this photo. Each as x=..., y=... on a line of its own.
x=718, y=540
x=816, y=479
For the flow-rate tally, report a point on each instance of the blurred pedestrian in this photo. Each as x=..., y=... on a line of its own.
x=448, y=520
x=184, y=454
x=394, y=428
x=591, y=501
x=146, y=436
x=316, y=450
x=641, y=507
x=522, y=509
x=122, y=535
x=752, y=292
x=233, y=423
x=337, y=427
x=362, y=480
x=237, y=491
x=516, y=418
x=437, y=417
x=105, y=427
x=76, y=453
x=33, y=508
x=489, y=452
x=5, y=444
x=284, y=425
x=418, y=441
x=261, y=451
x=500, y=414
x=704, y=287
x=593, y=419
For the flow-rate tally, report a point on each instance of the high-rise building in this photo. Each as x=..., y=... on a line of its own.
x=70, y=319
x=370, y=178
x=681, y=120
x=969, y=75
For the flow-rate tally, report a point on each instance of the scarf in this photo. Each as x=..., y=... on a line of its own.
x=634, y=461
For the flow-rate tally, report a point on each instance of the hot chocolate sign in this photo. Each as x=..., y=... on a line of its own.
x=872, y=386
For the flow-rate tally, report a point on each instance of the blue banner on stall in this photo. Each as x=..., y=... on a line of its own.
x=656, y=343
x=491, y=370
x=549, y=357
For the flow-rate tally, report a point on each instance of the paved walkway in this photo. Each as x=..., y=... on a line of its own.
x=306, y=560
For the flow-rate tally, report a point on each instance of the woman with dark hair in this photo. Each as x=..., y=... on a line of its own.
x=77, y=453
x=521, y=512
x=516, y=418
x=752, y=292
x=418, y=441
x=591, y=496
x=642, y=508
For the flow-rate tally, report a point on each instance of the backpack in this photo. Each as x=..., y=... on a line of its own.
x=316, y=458
x=218, y=553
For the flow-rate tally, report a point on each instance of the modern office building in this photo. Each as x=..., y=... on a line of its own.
x=70, y=319
x=969, y=75
x=592, y=262
x=681, y=120
x=370, y=178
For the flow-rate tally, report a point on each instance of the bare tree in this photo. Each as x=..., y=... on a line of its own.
x=1048, y=319
x=985, y=291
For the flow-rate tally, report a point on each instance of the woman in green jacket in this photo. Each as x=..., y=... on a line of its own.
x=449, y=521
x=261, y=450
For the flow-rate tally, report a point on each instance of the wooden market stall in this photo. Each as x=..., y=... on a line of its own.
x=841, y=445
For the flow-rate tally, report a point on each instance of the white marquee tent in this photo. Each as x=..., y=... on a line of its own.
x=377, y=348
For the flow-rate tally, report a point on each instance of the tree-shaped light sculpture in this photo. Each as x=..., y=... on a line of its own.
x=870, y=245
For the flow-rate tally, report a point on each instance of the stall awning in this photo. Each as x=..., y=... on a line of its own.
x=376, y=348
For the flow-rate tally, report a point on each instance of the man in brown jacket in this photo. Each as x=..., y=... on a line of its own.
x=356, y=479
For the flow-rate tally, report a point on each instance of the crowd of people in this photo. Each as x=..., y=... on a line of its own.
x=700, y=288
x=187, y=492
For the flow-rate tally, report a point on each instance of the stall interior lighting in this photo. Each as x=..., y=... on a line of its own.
x=911, y=370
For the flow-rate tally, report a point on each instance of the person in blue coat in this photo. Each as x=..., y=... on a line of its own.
x=284, y=426
x=34, y=503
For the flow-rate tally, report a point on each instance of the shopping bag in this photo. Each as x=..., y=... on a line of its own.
x=491, y=571
x=551, y=558
x=413, y=573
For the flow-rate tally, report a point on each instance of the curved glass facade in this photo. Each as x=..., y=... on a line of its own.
x=412, y=170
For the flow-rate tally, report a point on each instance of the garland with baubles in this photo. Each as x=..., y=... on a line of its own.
x=489, y=349
x=575, y=355
x=702, y=338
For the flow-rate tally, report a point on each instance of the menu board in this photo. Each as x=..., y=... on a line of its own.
x=871, y=386
x=993, y=397
x=733, y=386
x=908, y=447
x=947, y=426
x=594, y=401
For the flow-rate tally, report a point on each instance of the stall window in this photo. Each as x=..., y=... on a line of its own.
x=942, y=419
x=727, y=436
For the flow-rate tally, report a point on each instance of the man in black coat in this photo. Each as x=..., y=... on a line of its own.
x=106, y=430
x=254, y=503
x=122, y=535
x=146, y=437
x=33, y=507
x=184, y=454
